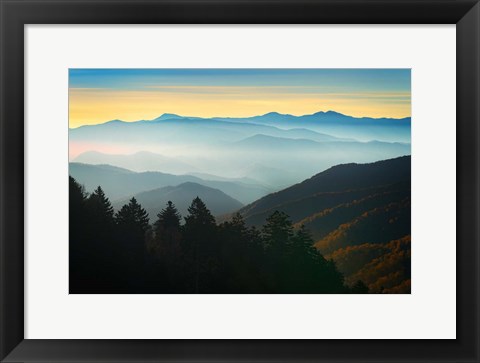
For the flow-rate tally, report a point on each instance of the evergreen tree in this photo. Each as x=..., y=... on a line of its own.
x=167, y=229
x=318, y=275
x=278, y=231
x=303, y=239
x=131, y=227
x=277, y=236
x=307, y=266
x=302, y=249
x=77, y=198
x=242, y=257
x=199, y=215
x=166, y=246
x=168, y=220
x=99, y=208
x=237, y=224
x=79, y=248
x=133, y=217
x=100, y=236
x=200, y=235
x=132, y=224
x=77, y=195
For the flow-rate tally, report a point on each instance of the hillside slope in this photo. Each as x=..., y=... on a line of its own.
x=357, y=214
x=121, y=183
x=182, y=195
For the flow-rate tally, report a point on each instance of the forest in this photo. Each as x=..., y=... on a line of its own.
x=129, y=251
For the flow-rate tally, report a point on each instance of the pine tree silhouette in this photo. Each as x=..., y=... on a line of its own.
x=168, y=219
x=277, y=236
x=100, y=208
x=199, y=214
x=200, y=236
x=79, y=248
x=278, y=231
x=166, y=246
x=131, y=227
x=242, y=257
x=109, y=253
x=133, y=216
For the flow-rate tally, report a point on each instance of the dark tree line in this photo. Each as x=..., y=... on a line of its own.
x=123, y=253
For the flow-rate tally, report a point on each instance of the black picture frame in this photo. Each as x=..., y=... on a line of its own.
x=17, y=13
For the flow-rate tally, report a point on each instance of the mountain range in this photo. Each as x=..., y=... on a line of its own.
x=120, y=183
x=273, y=124
x=273, y=150
x=358, y=215
x=340, y=125
x=139, y=161
x=182, y=195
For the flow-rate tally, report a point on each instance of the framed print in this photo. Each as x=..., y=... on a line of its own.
x=239, y=181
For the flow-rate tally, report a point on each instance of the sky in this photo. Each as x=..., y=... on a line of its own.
x=100, y=95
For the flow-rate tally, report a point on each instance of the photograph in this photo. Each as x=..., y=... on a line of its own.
x=239, y=181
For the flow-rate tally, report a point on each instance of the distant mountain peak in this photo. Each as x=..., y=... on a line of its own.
x=273, y=114
x=329, y=113
x=167, y=116
x=115, y=121
x=192, y=185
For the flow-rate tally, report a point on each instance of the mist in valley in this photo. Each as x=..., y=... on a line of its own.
x=268, y=152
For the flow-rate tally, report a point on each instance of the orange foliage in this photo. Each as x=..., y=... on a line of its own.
x=384, y=268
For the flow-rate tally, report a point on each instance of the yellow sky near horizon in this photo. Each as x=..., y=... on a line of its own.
x=89, y=106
